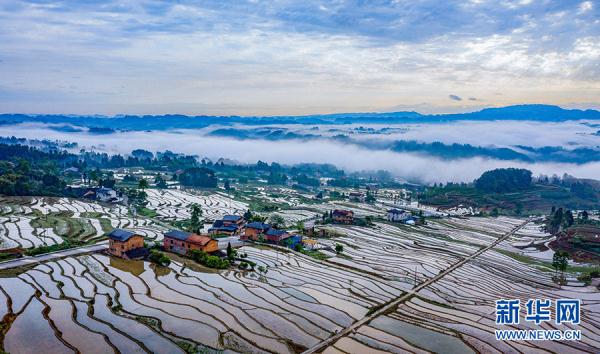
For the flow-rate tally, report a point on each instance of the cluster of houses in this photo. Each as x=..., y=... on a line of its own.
x=129, y=245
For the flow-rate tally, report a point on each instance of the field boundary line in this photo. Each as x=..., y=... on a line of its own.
x=390, y=306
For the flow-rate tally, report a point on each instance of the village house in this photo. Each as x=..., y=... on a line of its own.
x=253, y=230
x=174, y=241
x=276, y=236
x=229, y=225
x=203, y=243
x=107, y=195
x=342, y=216
x=357, y=197
x=398, y=215
x=126, y=244
x=181, y=242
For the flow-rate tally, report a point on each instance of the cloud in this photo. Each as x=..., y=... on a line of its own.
x=286, y=57
x=455, y=98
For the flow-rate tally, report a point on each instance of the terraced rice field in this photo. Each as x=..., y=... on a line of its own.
x=93, y=303
x=28, y=222
x=174, y=204
x=457, y=313
x=134, y=306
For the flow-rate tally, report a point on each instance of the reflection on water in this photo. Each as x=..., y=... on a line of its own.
x=421, y=337
x=134, y=267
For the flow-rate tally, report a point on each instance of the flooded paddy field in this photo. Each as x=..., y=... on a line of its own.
x=174, y=204
x=135, y=306
x=27, y=222
x=456, y=314
x=95, y=304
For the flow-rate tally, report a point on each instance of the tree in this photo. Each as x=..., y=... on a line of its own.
x=569, y=218
x=277, y=221
x=195, y=224
x=248, y=215
x=198, y=177
x=231, y=253
x=143, y=184
x=160, y=181
x=560, y=261
x=300, y=226
x=227, y=185
x=339, y=248
x=504, y=180
x=519, y=208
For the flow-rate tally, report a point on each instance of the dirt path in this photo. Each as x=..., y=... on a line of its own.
x=392, y=305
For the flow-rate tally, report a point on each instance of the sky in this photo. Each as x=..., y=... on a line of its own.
x=295, y=57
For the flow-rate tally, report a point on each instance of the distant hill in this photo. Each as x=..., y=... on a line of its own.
x=538, y=112
x=533, y=112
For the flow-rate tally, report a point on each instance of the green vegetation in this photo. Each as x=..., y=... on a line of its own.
x=46, y=249
x=207, y=260
x=504, y=180
x=231, y=253
x=27, y=171
x=312, y=253
x=339, y=248
x=145, y=212
x=587, y=277
x=277, y=221
x=159, y=258
x=195, y=224
x=512, y=191
x=560, y=261
x=198, y=177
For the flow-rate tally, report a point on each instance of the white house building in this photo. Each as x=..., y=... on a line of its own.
x=106, y=195
x=397, y=215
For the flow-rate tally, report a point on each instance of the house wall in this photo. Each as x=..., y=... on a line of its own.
x=118, y=248
x=175, y=245
x=397, y=217
x=211, y=246
x=251, y=234
x=343, y=219
x=221, y=232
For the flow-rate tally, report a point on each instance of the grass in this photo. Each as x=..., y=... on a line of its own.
x=315, y=254
x=47, y=249
x=546, y=266
x=149, y=213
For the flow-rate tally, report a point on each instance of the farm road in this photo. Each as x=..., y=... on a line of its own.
x=391, y=305
x=19, y=262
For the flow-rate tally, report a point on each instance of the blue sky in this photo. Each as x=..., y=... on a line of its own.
x=296, y=57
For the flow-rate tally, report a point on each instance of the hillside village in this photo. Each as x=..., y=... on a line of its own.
x=262, y=268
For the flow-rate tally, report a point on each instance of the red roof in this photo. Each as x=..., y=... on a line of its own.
x=201, y=240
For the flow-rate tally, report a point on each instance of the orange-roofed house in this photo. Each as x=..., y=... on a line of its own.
x=202, y=243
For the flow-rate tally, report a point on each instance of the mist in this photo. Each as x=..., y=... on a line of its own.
x=350, y=157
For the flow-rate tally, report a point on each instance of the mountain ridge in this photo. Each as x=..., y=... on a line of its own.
x=531, y=112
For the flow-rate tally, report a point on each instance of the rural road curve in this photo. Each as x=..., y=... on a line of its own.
x=19, y=262
x=331, y=340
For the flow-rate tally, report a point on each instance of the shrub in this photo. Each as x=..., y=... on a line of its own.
x=159, y=258
x=208, y=260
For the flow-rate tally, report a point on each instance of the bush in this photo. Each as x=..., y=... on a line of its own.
x=159, y=258
x=46, y=249
x=208, y=260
